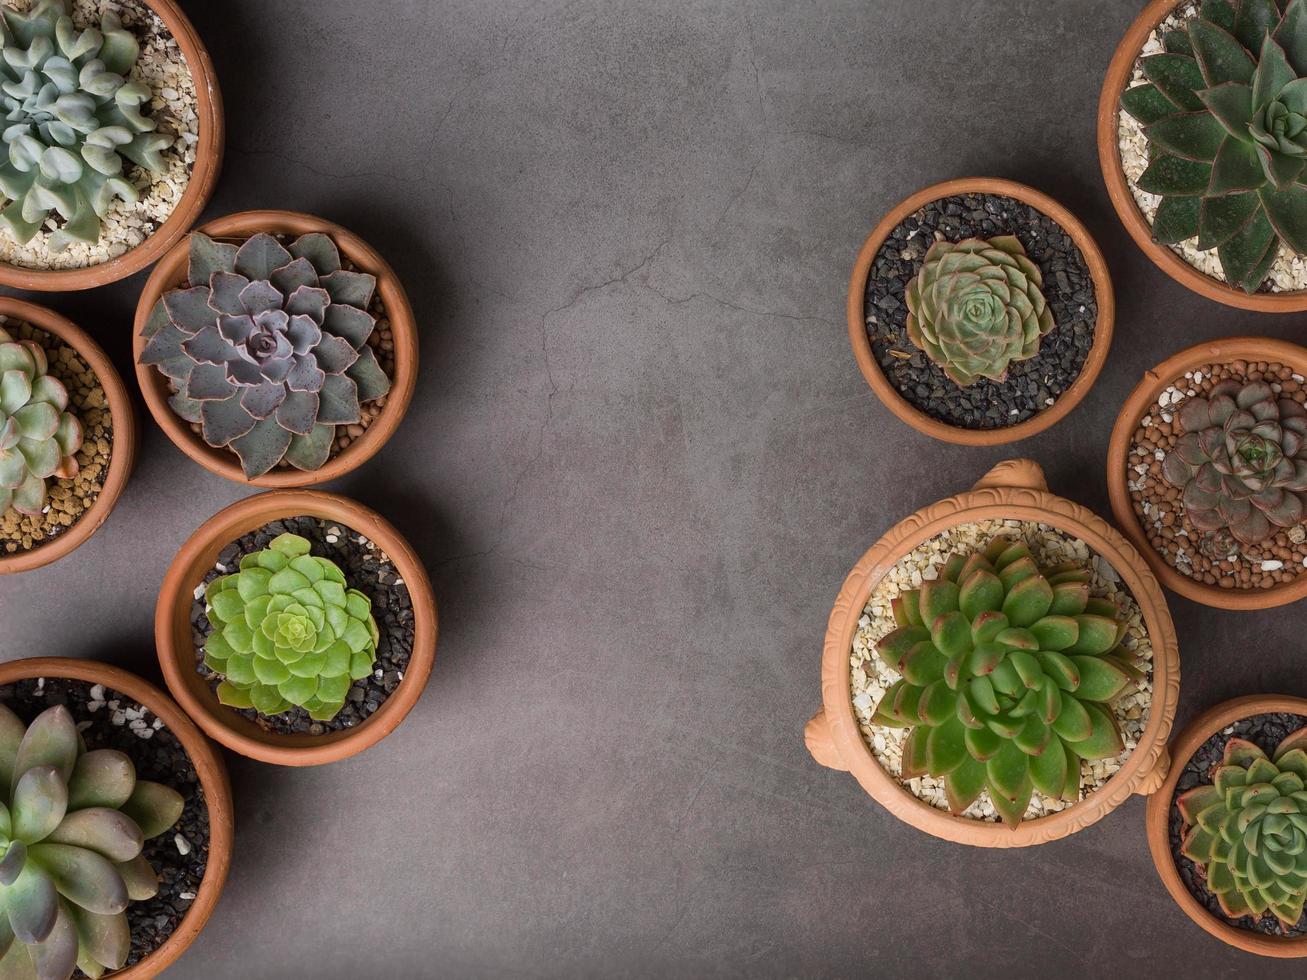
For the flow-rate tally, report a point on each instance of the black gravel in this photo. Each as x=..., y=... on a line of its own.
x=159, y=758
x=367, y=569
x=1030, y=385
x=1266, y=732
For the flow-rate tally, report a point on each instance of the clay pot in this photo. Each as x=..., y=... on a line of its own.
x=1146, y=392
x=171, y=272
x=1014, y=490
x=208, y=766
x=204, y=176
x=1109, y=158
x=177, y=654
x=124, y=435
x=912, y=415
x=1158, y=817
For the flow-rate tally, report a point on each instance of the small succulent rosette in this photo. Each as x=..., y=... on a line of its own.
x=74, y=122
x=266, y=348
x=287, y=631
x=72, y=827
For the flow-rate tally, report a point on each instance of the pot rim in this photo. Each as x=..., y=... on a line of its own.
x=209, y=768
x=1145, y=393
x=1158, y=814
x=1103, y=326
x=203, y=179
x=172, y=628
x=172, y=270
x=1118, y=188
x=122, y=455
x=1014, y=489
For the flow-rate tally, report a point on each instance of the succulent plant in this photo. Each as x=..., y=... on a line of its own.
x=71, y=121
x=976, y=306
x=1248, y=829
x=267, y=348
x=72, y=826
x=1241, y=462
x=38, y=435
x=1007, y=674
x=287, y=631
x=1224, y=111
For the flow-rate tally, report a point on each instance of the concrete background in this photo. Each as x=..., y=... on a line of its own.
x=639, y=464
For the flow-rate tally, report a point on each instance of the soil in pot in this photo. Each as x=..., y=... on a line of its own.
x=67, y=499
x=368, y=569
x=1266, y=732
x=1032, y=385
x=173, y=105
x=1213, y=558
x=871, y=677
x=109, y=720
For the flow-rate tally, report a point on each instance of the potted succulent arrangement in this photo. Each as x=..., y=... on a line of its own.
x=276, y=349
x=1000, y=669
x=296, y=627
x=1207, y=472
x=113, y=138
x=67, y=436
x=117, y=822
x=1203, y=146
x=1228, y=829
x=980, y=311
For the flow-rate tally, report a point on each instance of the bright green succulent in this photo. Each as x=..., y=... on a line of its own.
x=72, y=825
x=1248, y=829
x=976, y=306
x=1225, y=114
x=287, y=631
x=1007, y=675
x=38, y=435
x=71, y=120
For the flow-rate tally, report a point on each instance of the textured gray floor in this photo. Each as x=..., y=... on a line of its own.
x=639, y=464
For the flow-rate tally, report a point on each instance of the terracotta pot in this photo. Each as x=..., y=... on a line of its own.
x=177, y=654
x=1109, y=158
x=208, y=766
x=1158, y=818
x=912, y=415
x=171, y=272
x=122, y=456
x=1014, y=490
x=204, y=175
x=1146, y=392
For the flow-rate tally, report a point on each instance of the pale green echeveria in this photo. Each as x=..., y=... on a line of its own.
x=72, y=826
x=287, y=631
x=38, y=434
x=72, y=121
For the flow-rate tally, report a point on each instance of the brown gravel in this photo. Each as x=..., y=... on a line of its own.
x=68, y=499
x=1213, y=559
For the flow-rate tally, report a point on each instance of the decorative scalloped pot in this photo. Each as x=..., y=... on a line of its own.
x=172, y=628
x=1014, y=489
x=1158, y=815
x=124, y=435
x=899, y=405
x=208, y=766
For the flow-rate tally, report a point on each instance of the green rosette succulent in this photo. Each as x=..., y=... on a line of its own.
x=38, y=434
x=1241, y=463
x=287, y=631
x=1224, y=110
x=72, y=120
x=72, y=826
x=1248, y=829
x=1008, y=671
x=976, y=306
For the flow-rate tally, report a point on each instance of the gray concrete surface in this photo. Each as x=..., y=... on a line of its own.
x=639, y=464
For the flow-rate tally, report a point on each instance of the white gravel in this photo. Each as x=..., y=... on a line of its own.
x=871, y=677
x=173, y=106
